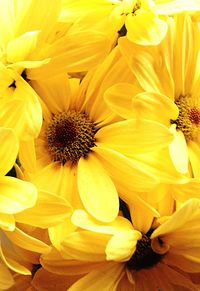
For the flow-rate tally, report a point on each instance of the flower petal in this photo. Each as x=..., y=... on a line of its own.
x=121, y=246
x=119, y=99
x=106, y=278
x=19, y=48
x=16, y=195
x=178, y=151
x=27, y=242
x=48, y=211
x=128, y=175
x=85, y=246
x=134, y=136
x=7, y=222
x=145, y=28
x=85, y=221
x=6, y=279
x=97, y=191
x=12, y=263
x=9, y=149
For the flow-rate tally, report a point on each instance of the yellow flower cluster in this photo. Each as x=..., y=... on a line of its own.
x=100, y=145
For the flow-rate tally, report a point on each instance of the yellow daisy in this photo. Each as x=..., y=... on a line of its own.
x=162, y=258
x=170, y=89
x=83, y=146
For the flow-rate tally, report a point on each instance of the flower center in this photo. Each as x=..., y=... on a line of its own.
x=70, y=136
x=188, y=120
x=144, y=257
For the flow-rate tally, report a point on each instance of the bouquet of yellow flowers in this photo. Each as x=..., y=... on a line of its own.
x=100, y=145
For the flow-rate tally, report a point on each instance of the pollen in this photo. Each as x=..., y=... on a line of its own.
x=70, y=136
x=144, y=257
x=188, y=120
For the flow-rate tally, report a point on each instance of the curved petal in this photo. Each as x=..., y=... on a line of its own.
x=122, y=246
x=12, y=263
x=178, y=151
x=105, y=279
x=183, y=225
x=128, y=175
x=119, y=99
x=58, y=232
x=154, y=106
x=6, y=279
x=27, y=242
x=97, y=191
x=134, y=136
x=48, y=211
x=82, y=219
x=9, y=149
x=19, y=48
x=194, y=154
x=145, y=28
x=32, y=109
x=7, y=222
x=85, y=246
x=16, y=195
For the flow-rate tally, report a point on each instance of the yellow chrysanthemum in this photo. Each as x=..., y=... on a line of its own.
x=170, y=89
x=126, y=259
x=83, y=145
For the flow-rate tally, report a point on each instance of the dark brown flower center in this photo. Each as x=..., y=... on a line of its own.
x=144, y=257
x=188, y=120
x=70, y=136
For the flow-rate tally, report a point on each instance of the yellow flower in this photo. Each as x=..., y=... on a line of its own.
x=33, y=46
x=169, y=90
x=143, y=21
x=83, y=145
x=162, y=258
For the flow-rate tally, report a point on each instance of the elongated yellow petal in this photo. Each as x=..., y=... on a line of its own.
x=35, y=15
x=194, y=152
x=55, y=263
x=105, y=279
x=9, y=149
x=134, y=136
x=119, y=99
x=121, y=246
x=27, y=242
x=7, y=222
x=85, y=246
x=6, y=279
x=178, y=151
x=145, y=28
x=82, y=219
x=82, y=51
x=16, y=195
x=12, y=263
x=32, y=109
x=12, y=115
x=127, y=174
x=183, y=225
x=20, y=48
x=58, y=232
x=27, y=155
x=96, y=189
x=154, y=106
x=48, y=211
